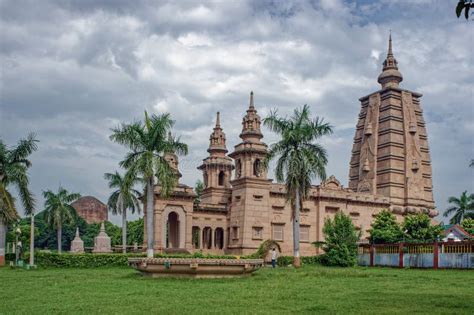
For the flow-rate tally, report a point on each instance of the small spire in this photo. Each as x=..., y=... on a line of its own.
x=251, y=106
x=390, y=53
x=218, y=120
x=77, y=232
x=102, y=227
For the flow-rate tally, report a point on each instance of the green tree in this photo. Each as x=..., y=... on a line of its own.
x=418, y=228
x=198, y=188
x=123, y=198
x=59, y=211
x=14, y=165
x=341, y=239
x=148, y=142
x=461, y=207
x=464, y=5
x=385, y=228
x=300, y=159
x=135, y=232
x=468, y=225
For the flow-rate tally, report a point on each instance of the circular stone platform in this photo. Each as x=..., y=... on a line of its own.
x=195, y=267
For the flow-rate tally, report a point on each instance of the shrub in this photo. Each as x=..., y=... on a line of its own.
x=385, y=229
x=46, y=259
x=418, y=228
x=468, y=225
x=340, y=241
x=284, y=261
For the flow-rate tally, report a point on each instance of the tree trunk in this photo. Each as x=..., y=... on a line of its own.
x=32, y=240
x=149, y=217
x=124, y=230
x=3, y=236
x=296, y=231
x=60, y=233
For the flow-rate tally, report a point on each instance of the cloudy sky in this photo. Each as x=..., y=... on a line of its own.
x=71, y=70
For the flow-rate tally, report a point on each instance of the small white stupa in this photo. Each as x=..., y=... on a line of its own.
x=77, y=244
x=102, y=242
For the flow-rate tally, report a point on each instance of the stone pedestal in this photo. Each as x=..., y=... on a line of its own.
x=102, y=242
x=77, y=244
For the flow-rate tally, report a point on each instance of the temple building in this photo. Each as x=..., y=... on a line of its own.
x=240, y=206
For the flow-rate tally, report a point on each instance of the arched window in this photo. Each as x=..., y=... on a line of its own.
x=238, y=169
x=257, y=166
x=221, y=178
x=205, y=179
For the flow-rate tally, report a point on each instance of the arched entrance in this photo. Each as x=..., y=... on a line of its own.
x=172, y=233
x=207, y=238
x=219, y=238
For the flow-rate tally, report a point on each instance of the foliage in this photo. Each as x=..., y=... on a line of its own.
x=465, y=5
x=135, y=232
x=300, y=157
x=418, y=228
x=385, y=228
x=468, y=225
x=87, y=260
x=341, y=240
x=461, y=207
x=25, y=227
x=284, y=261
x=124, y=196
x=264, y=248
x=198, y=188
x=14, y=165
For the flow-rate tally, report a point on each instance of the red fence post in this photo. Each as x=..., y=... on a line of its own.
x=435, y=255
x=400, y=255
x=372, y=255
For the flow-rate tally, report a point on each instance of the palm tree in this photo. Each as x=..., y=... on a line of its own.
x=14, y=165
x=300, y=159
x=59, y=211
x=461, y=207
x=123, y=198
x=148, y=143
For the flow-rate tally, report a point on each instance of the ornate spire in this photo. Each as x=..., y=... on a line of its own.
x=251, y=124
x=171, y=157
x=390, y=76
x=217, y=139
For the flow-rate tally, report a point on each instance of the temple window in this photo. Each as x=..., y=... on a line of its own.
x=257, y=166
x=205, y=179
x=196, y=233
x=304, y=233
x=221, y=178
x=277, y=232
x=235, y=232
x=238, y=169
x=257, y=232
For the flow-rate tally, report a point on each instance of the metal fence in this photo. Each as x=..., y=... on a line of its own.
x=418, y=255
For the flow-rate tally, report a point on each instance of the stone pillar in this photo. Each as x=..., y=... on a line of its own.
x=200, y=237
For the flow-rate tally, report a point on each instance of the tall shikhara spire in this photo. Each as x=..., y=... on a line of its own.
x=390, y=155
x=390, y=76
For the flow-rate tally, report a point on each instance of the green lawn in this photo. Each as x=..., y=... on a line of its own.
x=284, y=290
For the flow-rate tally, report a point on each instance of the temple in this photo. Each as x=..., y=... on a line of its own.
x=240, y=206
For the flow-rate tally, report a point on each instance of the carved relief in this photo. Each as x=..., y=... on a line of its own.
x=367, y=162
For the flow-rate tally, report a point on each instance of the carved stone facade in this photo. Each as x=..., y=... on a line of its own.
x=390, y=168
x=91, y=209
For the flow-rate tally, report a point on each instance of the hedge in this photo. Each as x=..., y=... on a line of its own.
x=284, y=261
x=46, y=259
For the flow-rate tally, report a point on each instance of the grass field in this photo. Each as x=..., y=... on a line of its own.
x=307, y=290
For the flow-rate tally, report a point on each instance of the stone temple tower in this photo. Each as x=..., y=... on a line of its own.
x=217, y=168
x=390, y=155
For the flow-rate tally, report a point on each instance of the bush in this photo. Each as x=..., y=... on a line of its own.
x=68, y=260
x=284, y=261
x=340, y=241
x=385, y=229
x=418, y=228
x=468, y=225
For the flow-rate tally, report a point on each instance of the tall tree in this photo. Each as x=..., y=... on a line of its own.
x=461, y=207
x=385, y=229
x=58, y=210
x=418, y=228
x=14, y=165
x=198, y=188
x=148, y=142
x=300, y=159
x=123, y=198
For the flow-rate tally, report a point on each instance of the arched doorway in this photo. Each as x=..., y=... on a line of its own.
x=196, y=236
x=219, y=238
x=172, y=234
x=207, y=238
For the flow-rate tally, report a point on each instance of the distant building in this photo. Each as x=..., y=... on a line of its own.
x=91, y=209
x=241, y=207
x=455, y=233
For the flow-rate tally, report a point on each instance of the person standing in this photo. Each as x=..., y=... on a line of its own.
x=274, y=257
